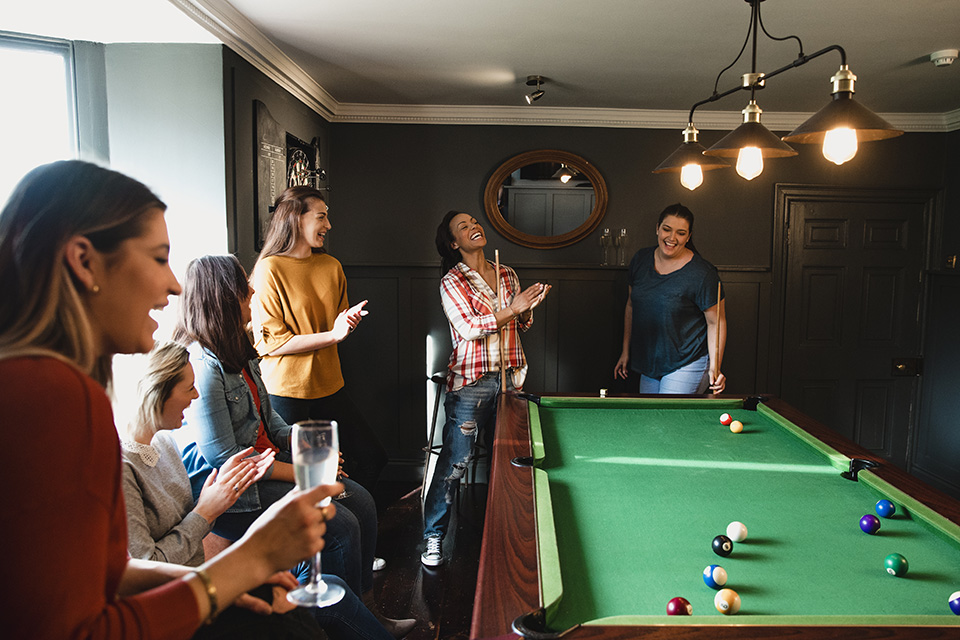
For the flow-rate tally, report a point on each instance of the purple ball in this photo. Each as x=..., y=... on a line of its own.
x=870, y=524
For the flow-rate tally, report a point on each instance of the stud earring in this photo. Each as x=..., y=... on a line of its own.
x=95, y=289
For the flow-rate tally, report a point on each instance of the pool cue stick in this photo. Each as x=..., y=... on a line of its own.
x=716, y=369
x=503, y=372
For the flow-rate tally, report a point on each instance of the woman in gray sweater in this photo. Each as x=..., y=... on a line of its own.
x=163, y=522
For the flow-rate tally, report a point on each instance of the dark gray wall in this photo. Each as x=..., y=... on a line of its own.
x=242, y=84
x=936, y=454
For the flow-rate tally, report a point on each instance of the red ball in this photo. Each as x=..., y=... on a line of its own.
x=726, y=419
x=679, y=607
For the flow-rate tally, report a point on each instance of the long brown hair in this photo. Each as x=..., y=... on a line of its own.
x=214, y=287
x=284, y=228
x=43, y=312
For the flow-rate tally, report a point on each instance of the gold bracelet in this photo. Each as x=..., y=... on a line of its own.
x=211, y=590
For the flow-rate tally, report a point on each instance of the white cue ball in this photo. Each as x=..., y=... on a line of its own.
x=737, y=531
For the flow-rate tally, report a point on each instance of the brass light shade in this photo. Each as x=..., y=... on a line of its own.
x=751, y=134
x=690, y=152
x=843, y=111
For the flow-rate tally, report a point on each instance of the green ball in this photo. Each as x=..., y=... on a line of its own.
x=896, y=564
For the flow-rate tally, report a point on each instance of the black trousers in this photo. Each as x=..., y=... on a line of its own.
x=363, y=455
x=236, y=623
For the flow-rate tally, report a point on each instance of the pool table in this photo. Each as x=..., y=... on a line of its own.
x=600, y=510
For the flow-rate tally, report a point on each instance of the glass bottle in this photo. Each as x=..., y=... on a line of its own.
x=622, y=247
x=606, y=242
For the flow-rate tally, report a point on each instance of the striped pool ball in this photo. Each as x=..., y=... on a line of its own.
x=715, y=576
x=727, y=602
x=955, y=602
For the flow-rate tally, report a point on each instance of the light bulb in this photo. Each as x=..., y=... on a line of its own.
x=749, y=162
x=565, y=178
x=840, y=145
x=691, y=176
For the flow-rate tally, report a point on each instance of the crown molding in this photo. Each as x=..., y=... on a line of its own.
x=243, y=37
x=233, y=29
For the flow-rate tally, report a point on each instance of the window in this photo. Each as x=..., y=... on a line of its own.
x=38, y=111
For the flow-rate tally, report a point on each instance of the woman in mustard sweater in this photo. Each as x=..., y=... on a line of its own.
x=300, y=315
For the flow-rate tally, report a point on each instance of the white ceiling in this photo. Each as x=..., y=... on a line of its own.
x=607, y=61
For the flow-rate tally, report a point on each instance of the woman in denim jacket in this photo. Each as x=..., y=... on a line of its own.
x=234, y=412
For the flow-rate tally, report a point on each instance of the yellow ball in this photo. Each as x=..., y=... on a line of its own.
x=727, y=602
x=736, y=426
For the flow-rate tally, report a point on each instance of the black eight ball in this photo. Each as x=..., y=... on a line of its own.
x=722, y=546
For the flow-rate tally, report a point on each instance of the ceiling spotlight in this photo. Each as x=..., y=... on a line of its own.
x=536, y=95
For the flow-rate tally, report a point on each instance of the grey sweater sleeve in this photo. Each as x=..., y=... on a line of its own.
x=161, y=524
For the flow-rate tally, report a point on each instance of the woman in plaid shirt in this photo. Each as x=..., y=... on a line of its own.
x=478, y=324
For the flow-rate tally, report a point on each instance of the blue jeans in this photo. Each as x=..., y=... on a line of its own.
x=471, y=411
x=351, y=538
x=690, y=378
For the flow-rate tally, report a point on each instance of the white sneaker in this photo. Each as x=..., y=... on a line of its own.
x=379, y=564
x=433, y=555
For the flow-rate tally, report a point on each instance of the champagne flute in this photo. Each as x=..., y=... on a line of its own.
x=316, y=454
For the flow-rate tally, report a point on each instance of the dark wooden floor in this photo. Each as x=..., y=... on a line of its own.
x=441, y=599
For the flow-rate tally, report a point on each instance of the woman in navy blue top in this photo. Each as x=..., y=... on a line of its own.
x=670, y=334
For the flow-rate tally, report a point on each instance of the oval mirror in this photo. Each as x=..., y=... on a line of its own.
x=545, y=199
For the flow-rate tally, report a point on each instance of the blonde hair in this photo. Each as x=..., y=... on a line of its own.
x=43, y=311
x=166, y=363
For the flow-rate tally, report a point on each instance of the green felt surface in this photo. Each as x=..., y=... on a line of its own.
x=638, y=490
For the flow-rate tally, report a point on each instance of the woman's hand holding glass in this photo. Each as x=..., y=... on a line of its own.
x=316, y=453
x=289, y=531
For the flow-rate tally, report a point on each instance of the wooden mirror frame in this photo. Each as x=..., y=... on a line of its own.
x=496, y=180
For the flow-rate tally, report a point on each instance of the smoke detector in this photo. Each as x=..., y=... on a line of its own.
x=944, y=58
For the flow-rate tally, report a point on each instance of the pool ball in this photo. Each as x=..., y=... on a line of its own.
x=726, y=419
x=870, y=524
x=727, y=602
x=896, y=564
x=736, y=426
x=955, y=602
x=722, y=546
x=715, y=576
x=679, y=607
x=737, y=531
x=885, y=508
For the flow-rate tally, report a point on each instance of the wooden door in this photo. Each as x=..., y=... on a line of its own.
x=853, y=268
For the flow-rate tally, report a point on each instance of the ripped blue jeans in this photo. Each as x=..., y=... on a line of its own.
x=471, y=412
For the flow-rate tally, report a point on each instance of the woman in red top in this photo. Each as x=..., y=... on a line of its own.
x=83, y=261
